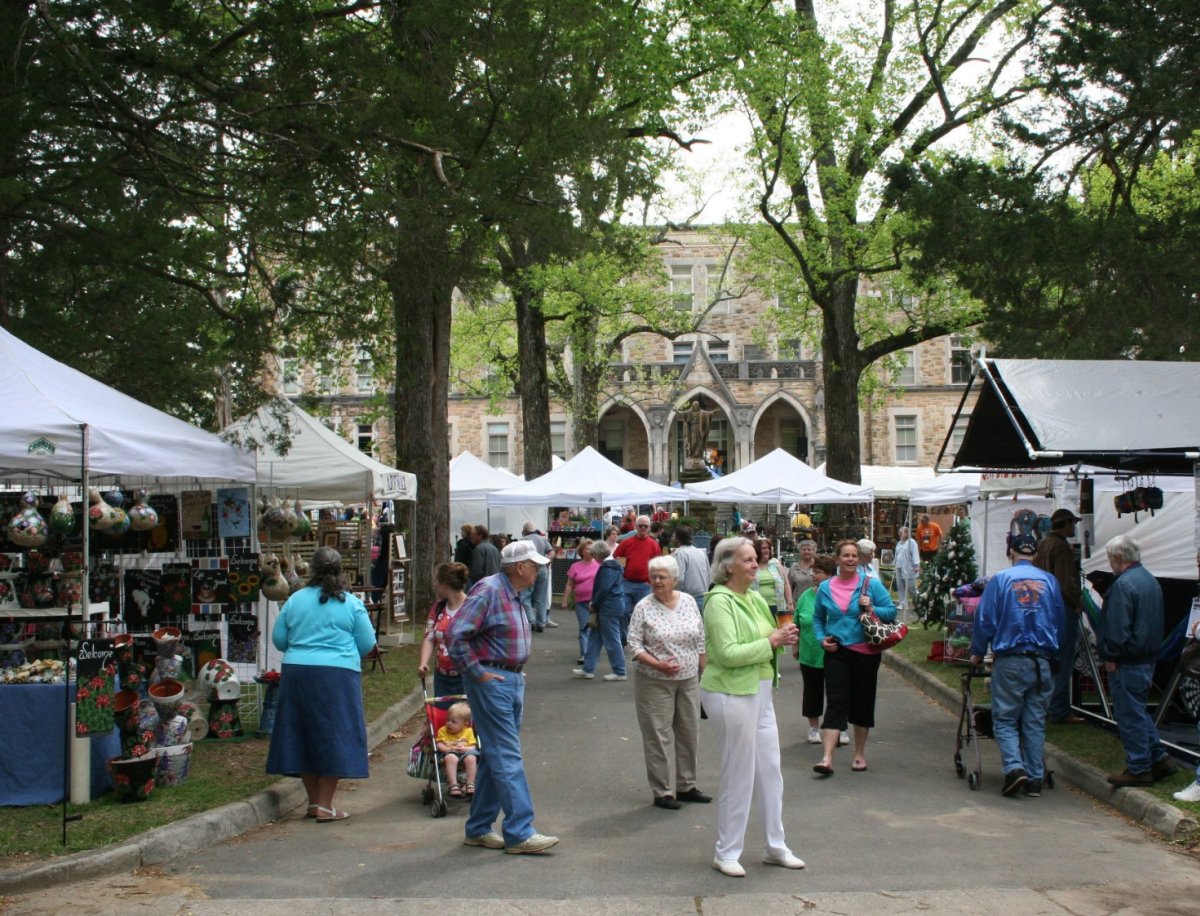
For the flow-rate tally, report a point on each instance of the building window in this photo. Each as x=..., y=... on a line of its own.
x=291, y=376
x=908, y=374
x=906, y=439
x=366, y=437
x=365, y=371
x=791, y=349
x=498, y=445
x=960, y=361
x=558, y=438
x=681, y=351
x=324, y=380
x=751, y=353
x=682, y=289
x=612, y=440
x=716, y=288
x=957, y=431
x=718, y=351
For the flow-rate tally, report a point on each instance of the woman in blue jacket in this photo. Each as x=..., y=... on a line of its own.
x=851, y=664
x=608, y=601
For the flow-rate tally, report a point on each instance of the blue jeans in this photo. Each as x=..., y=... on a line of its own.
x=634, y=592
x=500, y=784
x=1060, y=703
x=582, y=612
x=609, y=635
x=535, y=599
x=1021, y=690
x=1130, y=688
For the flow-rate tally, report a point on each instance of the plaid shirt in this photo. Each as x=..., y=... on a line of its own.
x=489, y=628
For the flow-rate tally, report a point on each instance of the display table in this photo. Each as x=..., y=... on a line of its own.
x=32, y=729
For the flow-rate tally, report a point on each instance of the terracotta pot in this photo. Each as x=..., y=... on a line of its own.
x=166, y=640
x=166, y=695
x=133, y=780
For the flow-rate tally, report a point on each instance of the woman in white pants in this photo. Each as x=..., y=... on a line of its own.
x=741, y=645
x=908, y=567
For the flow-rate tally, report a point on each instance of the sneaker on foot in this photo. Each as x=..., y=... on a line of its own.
x=491, y=840
x=787, y=860
x=535, y=843
x=1190, y=794
x=551, y=624
x=731, y=867
x=844, y=738
x=579, y=672
x=1013, y=780
x=616, y=677
x=814, y=736
x=1033, y=788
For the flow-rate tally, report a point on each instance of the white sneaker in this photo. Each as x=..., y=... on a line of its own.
x=1190, y=794
x=730, y=867
x=844, y=738
x=551, y=624
x=814, y=736
x=616, y=677
x=787, y=860
x=579, y=672
x=536, y=843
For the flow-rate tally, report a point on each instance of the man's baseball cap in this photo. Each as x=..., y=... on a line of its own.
x=1062, y=516
x=1025, y=544
x=522, y=550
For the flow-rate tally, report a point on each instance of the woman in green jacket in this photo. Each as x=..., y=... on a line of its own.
x=742, y=644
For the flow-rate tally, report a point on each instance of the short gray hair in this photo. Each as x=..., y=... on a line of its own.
x=666, y=564
x=807, y=542
x=722, y=562
x=866, y=546
x=600, y=551
x=1124, y=548
x=528, y=528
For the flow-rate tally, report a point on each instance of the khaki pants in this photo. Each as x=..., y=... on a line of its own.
x=668, y=712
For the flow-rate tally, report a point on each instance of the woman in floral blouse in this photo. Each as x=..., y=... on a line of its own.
x=666, y=640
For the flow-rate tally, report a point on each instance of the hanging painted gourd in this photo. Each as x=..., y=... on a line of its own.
x=101, y=516
x=289, y=573
x=142, y=516
x=27, y=527
x=115, y=497
x=120, y=524
x=274, y=586
x=274, y=519
x=62, y=516
x=303, y=523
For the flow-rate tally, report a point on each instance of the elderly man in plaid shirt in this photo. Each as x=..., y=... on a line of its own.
x=489, y=641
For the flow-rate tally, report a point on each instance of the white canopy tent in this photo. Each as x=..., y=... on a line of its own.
x=946, y=490
x=779, y=478
x=471, y=480
x=586, y=480
x=319, y=464
x=891, y=482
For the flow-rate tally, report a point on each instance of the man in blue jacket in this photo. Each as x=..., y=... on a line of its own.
x=1131, y=633
x=1021, y=615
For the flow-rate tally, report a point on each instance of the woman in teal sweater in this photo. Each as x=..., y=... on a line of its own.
x=851, y=665
x=741, y=645
x=320, y=733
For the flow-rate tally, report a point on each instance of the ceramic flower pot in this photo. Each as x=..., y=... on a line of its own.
x=167, y=669
x=166, y=640
x=123, y=648
x=147, y=715
x=70, y=592
x=42, y=593
x=27, y=528
x=125, y=710
x=10, y=562
x=223, y=720
x=62, y=516
x=8, y=595
x=72, y=561
x=37, y=562
x=173, y=765
x=172, y=731
x=133, y=780
x=219, y=680
x=166, y=695
x=142, y=517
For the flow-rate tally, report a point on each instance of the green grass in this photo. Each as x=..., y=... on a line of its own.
x=1088, y=743
x=221, y=772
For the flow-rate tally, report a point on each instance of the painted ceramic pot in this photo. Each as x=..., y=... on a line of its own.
x=138, y=744
x=147, y=715
x=167, y=669
x=10, y=632
x=37, y=563
x=8, y=595
x=167, y=695
x=70, y=592
x=172, y=731
x=223, y=720
x=133, y=780
x=72, y=561
x=101, y=515
x=133, y=677
x=10, y=562
x=166, y=640
x=42, y=593
x=27, y=528
x=142, y=517
x=123, y=648
x=219, y=680
x=174, y=762
x=62, y=516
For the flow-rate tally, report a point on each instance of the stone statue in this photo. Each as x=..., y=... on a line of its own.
x=696, y=424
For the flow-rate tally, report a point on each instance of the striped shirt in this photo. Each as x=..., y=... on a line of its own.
x=490, y=628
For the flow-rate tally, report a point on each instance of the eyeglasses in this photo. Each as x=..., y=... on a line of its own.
x=660, y=578
x=643, y=526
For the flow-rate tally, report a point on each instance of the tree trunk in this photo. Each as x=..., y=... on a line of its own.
x=533, y=369
x=842, y=365
x=421, y=298
x=588, y=375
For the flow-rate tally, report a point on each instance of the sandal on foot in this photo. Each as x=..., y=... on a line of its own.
x=312, y=811
x=329, y=815
x=859, y=766
x=823, y=769
x=470, y=788
x=456, y=792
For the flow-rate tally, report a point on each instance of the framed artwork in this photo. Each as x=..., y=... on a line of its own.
x=330, y=539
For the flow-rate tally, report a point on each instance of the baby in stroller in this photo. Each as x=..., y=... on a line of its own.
x=456, y=741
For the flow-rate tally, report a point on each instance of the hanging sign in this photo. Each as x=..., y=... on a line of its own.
x=95, y=672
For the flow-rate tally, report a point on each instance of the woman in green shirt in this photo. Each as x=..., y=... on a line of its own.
x=809, y=652
x=741, y=645
x=771, y=579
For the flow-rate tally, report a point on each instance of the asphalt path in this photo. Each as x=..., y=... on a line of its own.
x=908, y=828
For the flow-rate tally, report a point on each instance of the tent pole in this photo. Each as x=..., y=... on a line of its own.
x=84, y=602
x=985, y=533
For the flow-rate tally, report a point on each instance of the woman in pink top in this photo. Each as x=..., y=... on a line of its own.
x=579, y=587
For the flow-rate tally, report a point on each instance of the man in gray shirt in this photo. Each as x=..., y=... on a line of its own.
x=485, y=558
x=536, y=598
x=693, y=565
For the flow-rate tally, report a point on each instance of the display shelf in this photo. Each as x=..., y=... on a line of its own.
x=96, y=609
x=16, y=646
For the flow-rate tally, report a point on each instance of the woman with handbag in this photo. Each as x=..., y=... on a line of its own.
x=742, y=644
x=579, y=589
x=666, y=641
x=851, y=662
x=608, y=608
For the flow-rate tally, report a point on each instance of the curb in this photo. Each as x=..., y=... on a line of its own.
x=192, y=833
x=1174, y=824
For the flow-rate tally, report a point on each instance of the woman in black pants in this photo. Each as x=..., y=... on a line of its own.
x=851, y=664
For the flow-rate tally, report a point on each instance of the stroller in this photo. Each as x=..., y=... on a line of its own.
x=425, y=760
x=975, y=722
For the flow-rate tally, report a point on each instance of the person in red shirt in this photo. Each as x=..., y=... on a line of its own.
x=627, y=523
x=660, y=515
x=638, y=551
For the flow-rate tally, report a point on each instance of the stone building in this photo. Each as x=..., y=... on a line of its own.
x=765, y=393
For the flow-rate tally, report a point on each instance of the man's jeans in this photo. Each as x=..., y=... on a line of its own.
x=608, y=636
x=634, y=592
x=1021, y=689
x=536, y=599
x=1130, y=688
x=1060, y=703
x=500, y=784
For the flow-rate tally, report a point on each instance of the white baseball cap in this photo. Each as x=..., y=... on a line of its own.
x=522, y=550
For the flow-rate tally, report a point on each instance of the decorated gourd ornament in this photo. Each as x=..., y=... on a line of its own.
x=274, y=586
x=289, y=518
x=289, y=576
x=101, y=516
x=142, y=516
x=301, y=526
x=62, y=516
x=274, y=519
x=263, y=506
x=115, y=497
x=27, y=527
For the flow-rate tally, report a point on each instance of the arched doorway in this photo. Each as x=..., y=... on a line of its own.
x=624, y=440
x=781, y=425
x=720, y=450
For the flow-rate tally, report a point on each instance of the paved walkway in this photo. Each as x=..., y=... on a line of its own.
x=905, y=835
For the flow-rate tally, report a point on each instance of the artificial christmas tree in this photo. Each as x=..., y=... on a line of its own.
x=952, y=566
